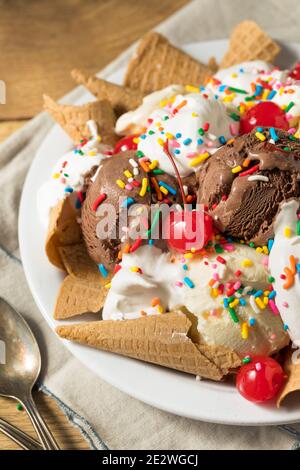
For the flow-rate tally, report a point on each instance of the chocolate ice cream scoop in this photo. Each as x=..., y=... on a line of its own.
x=107, y=188
x=190, y=184
x=115, y=183
x=245, y=181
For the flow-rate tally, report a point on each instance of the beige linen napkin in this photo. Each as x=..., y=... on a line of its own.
x=92, y=404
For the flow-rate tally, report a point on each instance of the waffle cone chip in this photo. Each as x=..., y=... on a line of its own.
x=83, y=290
x=78, y=263
x=213, y=65
x=77, y=296
x=122, y=99
x=292, y=369
x=73, y=119
x=157, y=64
x=158, y=339
x=249, y=42
x=63, y=230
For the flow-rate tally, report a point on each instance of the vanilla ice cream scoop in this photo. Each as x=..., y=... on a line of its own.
x=242, y=77
x=284, y=267
x=226, y=293
x=248, y=81
x=193, y=125
x=229, y=300
x=133, y=121
x=68, y=174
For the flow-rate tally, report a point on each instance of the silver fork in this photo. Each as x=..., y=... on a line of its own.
x=18, y=436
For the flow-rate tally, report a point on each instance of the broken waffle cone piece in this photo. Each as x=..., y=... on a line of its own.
x=84, y=289
x=63, y=230
x=249, y=42
x=76, y=297
x=78, y=263
x=73, y=119
x=122, y=99
x=213, y=65
x=157, y=64
x=292, y=369
x=159, y=339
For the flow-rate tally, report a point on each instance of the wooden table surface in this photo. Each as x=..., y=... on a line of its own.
x=40, y=43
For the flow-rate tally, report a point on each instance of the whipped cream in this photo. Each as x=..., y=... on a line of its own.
x=215, y=326
x=195, y=125
x=132, y=292
x=287, y=93
x=287, y=299
x=133, y=121
x=246, y=76
x=149, y=274
x=68, y=174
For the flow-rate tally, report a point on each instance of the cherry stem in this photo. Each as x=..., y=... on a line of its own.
x=166, y=150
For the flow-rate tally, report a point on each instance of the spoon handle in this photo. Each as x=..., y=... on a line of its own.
x=47, y=440
x=18, y=436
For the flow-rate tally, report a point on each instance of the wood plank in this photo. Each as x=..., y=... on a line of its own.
x=41, y=42
x=67, y=436
x=8, y=127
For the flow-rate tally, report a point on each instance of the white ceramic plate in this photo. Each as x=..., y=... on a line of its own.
x=165, y=389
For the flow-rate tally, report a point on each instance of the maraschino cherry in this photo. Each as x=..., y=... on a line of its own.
x=126, y=143
x=180, y=230
x=183, y=235
x=265, y=113
x=295, y=73
x=260, y=380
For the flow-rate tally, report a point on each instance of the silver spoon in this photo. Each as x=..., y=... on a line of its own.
x=20, y=368
x=19, y=437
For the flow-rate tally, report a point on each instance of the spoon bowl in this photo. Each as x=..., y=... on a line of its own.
x=20, y=365
x=21, y=362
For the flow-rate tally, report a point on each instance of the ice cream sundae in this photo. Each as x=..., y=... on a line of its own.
x=176, y=216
